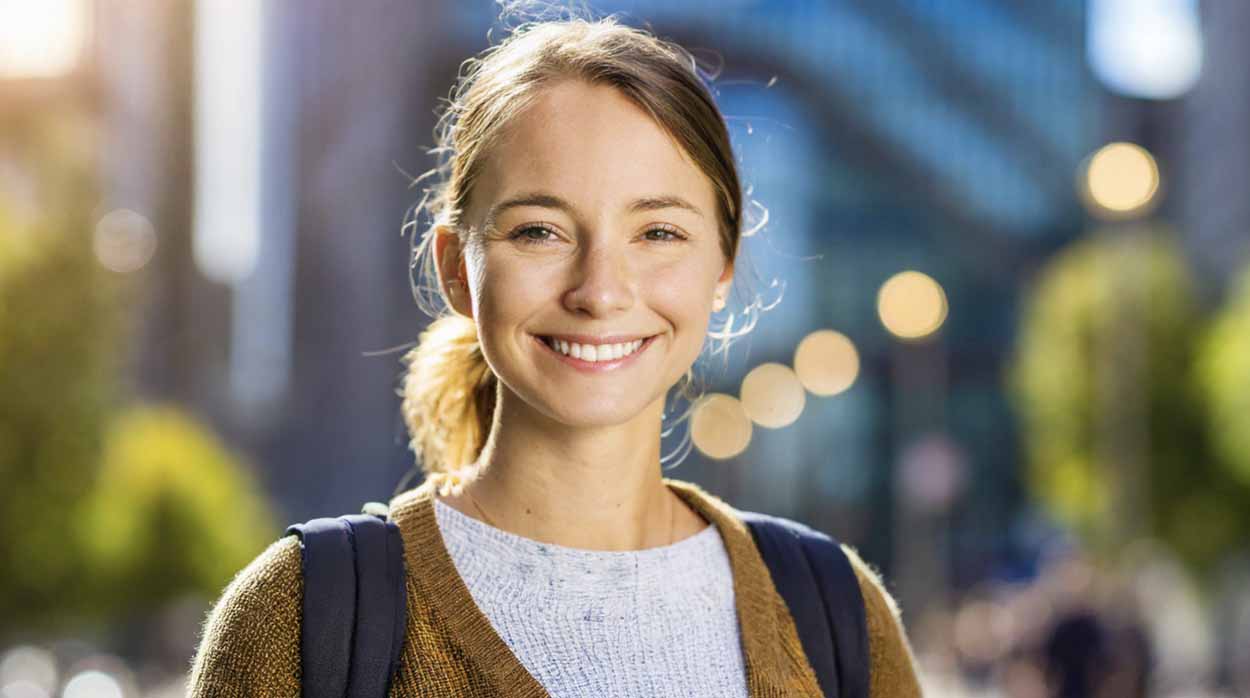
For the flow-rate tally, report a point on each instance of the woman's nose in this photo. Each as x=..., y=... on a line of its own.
x=602, y=281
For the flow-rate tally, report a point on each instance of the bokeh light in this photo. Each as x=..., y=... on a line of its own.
x=826, y=362
x=226, y=238
x=23, y=689
x=92, y=684
x=911, y=305
x=26, y=670
x=773, y=395
x=932, y=471
x=41, y=39
x=1145, y=48
x=125, y=240
x=719, y=426
x=1120, y=179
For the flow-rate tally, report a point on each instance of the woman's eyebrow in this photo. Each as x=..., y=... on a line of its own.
x=548, y=200
x=655, y=203
x=540, y=199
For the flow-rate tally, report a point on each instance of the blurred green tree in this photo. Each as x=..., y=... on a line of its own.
x=106, y=510
x=1224, y=379
x=171, y=512
x=59, y=318
x=1103, y=383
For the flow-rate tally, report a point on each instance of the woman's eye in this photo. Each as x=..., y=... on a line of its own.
x=673, y=236
x=525, y=234
x=533, y=234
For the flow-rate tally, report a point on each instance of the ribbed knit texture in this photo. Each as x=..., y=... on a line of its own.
x=605, y=624
x=250, y=642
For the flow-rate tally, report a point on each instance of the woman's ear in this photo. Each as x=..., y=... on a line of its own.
x=722, y=288
x=452, y=273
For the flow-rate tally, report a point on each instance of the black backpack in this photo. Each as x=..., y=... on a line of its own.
x=355, y=608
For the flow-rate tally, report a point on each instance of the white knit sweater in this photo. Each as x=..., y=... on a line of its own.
x=605, y=624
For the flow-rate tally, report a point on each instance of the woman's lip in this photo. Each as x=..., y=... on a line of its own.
x=588, y=339
x=595, y=366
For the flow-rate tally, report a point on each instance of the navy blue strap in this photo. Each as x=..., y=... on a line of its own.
x=354, y=605
x=329, y=606
x=815, y=578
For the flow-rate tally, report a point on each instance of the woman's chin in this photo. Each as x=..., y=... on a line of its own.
x=597, y=414
x=604, y=403
x=597, y=419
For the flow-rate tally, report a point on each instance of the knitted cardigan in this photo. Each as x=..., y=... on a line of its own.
x=250, y=645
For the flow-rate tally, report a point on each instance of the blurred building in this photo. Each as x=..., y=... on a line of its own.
x=1206, y=138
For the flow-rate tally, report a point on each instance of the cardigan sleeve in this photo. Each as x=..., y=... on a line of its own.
x=249, y=647
x=892, y=672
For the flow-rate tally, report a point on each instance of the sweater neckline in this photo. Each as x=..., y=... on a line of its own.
x=531, y=545
x=552, y=572
x=772, y=653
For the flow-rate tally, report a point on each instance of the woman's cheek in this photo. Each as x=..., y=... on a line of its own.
x=509, y=296
x=683, y=290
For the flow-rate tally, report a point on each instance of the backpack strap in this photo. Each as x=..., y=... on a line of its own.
x=354, y=609
x=815, y=577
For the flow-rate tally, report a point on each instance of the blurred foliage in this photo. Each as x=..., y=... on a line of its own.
x=1224, y=378
x=1072, y=390
x=171, y=511
x=106, y=511
x=58, y=367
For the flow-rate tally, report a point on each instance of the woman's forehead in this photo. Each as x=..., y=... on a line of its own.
x=591, y=146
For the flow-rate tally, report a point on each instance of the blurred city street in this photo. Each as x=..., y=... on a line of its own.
x=999, y=261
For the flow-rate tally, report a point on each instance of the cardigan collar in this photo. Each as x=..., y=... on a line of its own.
x=772, y=653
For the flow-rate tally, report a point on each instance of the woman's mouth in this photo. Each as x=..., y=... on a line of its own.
x=594, y=358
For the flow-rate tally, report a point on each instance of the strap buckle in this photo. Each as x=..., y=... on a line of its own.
x=378, y=509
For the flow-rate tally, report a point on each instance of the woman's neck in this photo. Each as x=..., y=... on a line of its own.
x=559, y=487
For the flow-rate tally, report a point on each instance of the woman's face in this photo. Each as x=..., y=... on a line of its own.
x=589, y=220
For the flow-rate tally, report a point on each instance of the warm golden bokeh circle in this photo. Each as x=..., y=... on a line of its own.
x=911, y=305
x=1121, y=179
x=124, y=241
x=719, y=426
x=772, y=395
x=826, y=362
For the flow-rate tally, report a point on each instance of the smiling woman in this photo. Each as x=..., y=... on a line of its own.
x=596, y=274
x=584, y=229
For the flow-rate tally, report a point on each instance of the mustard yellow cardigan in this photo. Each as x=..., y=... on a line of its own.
x=250, y=643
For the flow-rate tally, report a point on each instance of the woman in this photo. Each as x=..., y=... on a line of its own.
x=584, y=231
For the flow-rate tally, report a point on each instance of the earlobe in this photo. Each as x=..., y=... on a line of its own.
x=450, y=262
x=722, y=289
x=459, y=296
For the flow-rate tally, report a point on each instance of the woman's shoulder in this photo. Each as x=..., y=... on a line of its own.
x=249, y=644
x=893, y=667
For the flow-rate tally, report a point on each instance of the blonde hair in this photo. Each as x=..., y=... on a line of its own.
x=448, y=389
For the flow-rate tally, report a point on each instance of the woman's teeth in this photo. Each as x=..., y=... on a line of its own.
x=594, y=352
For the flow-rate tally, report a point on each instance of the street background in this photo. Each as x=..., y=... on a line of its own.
x=999, y=269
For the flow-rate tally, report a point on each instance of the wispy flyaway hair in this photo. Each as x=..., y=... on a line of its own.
x=448, y=389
